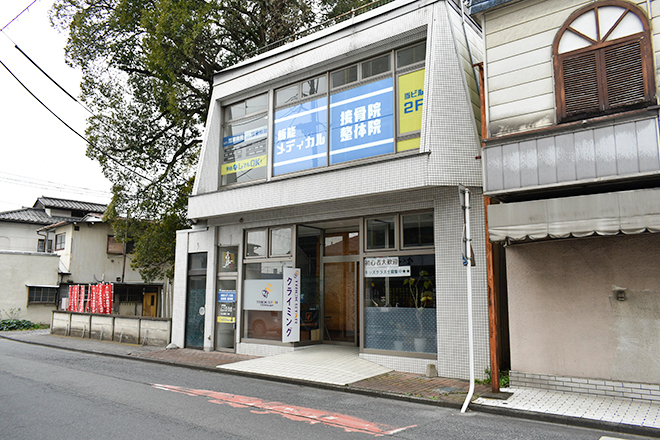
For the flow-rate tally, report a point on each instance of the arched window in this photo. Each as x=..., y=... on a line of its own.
x=603, y=61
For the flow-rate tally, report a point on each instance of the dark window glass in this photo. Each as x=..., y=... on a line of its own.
x=376, y=66
x=411, y=55
x=344, y=76
x=418, y=230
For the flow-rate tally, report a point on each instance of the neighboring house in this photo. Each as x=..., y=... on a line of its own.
x=340, y=154
x=572, y=154
x=58, y=243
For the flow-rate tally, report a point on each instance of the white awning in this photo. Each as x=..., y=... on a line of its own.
x=630, y=212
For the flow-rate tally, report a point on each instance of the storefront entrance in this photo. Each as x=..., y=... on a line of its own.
x=340, y=301
x=329, y=255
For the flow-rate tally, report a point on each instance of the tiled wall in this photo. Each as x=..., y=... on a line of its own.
x=600, y=387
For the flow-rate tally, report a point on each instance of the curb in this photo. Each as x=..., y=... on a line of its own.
x=475, y=407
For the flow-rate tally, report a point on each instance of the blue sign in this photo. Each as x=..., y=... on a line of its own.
x=300, y=137
x=362, y=122
x=247, y=137
x=226, y=296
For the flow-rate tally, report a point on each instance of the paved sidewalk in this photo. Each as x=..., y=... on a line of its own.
x=617, y=415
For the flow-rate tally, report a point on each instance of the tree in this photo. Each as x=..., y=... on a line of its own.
x=147, y=70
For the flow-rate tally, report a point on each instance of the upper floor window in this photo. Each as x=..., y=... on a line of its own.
x=603, y=61
x=41, y=245
x=244, y=149
x=60, y=240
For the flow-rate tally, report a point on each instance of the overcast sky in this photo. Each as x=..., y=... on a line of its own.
x=39, y=154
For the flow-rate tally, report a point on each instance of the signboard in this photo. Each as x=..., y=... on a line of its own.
x=362, y=122
x=300, y=137
x=263, y=295
x=244, y=151
x=411, y=101
x=291, y=308
x=385, y=267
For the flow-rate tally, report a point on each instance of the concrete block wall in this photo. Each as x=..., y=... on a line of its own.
x=123, y=329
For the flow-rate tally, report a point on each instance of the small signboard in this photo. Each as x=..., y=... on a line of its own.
x=384, y=267
x=291, y=307
x=262, y=295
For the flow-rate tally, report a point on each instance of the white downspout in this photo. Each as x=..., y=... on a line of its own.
x=468, y=257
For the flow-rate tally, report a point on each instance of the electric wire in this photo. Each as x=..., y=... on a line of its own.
x=19, y=14
x=90, y=143
x=87, y=141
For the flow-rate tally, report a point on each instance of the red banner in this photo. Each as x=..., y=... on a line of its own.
x=98, y=299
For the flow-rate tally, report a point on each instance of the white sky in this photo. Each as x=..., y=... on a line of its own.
x=38, y=154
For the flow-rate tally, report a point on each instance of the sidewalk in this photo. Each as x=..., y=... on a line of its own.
x=617, y=415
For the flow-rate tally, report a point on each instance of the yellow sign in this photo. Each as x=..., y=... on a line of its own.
x=408, y=144
x=411, y=100
x=229, y=319
x=243, y=165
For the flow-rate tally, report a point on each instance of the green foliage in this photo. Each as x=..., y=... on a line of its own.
x=15, y=324
x=504, y=379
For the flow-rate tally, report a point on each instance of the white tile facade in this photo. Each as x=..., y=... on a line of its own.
x=410, y=181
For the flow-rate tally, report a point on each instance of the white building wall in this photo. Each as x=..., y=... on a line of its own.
x=20, y=237
x=20, y=269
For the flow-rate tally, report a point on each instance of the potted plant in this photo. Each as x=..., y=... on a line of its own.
x=421, y=291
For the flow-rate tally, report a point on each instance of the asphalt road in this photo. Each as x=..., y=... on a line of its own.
x=48, y=393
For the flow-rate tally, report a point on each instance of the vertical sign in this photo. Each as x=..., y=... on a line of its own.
x=300, y=137
x=362, y=122
x=411, y=101
x=291, y=307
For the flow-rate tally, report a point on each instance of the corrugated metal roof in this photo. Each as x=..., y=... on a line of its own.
x=51, y=202
x=482, y=5
x=31, y=215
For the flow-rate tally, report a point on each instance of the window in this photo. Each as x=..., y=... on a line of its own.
x=411, y=55
x=244, y=151
x=376, y=66
x=41, y=295
x=302, y=90
x=113, y=246
x=40, y=246
x=380, y=233
x=417, y=230
x=273, y=242
x=603, y=61
x=59, y=242
x=402, y=231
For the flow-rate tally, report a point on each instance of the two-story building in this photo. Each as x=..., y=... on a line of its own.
x=572, y=155
x=339, y=154
x=57, y=243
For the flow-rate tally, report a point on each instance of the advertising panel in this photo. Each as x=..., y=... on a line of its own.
x=300, y=137
x=263, y=295
x=227, y=306
x=362, y=122
x=411, y=101
x=244, y=150
x=384, y=267
x=291, y=308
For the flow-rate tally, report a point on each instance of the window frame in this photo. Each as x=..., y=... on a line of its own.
x=42, y=290
x=399, y=245
x=60, y=241
x=599, y=48
x=245, y=119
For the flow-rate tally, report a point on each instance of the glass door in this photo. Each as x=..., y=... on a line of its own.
x=340, y=301
x=225, y=325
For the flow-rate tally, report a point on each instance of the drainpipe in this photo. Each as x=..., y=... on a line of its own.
x=468, y=257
